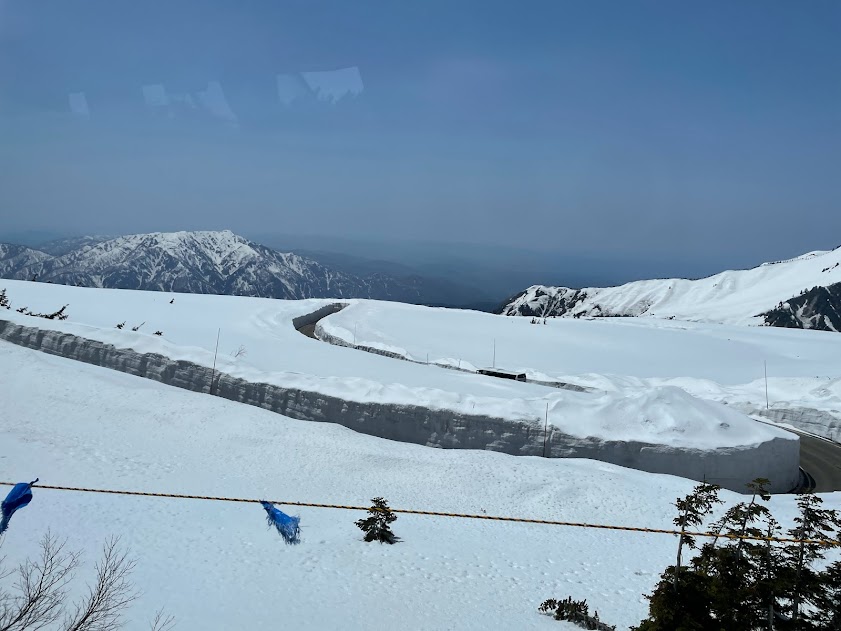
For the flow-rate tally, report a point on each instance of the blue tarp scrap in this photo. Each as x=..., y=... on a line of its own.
x=288, y=526
x=18, y=497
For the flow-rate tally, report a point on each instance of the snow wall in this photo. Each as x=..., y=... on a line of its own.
x=817, y=422
x=777, y=460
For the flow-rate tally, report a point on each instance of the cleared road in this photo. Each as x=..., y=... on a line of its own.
x=821, y=459
x=309, y=330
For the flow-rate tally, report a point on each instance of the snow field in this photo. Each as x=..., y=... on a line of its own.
x=636, y=347
x=717, y=362
x=276, y=353
x=217, y=566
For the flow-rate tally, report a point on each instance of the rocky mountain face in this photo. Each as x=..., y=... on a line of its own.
x=819, y=308
x=771, y=294
x=196, y=262
x=15, y=260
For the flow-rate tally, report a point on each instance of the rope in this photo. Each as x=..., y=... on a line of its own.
x=407, y=511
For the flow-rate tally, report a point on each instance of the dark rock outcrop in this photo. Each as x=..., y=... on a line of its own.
x=818, y=308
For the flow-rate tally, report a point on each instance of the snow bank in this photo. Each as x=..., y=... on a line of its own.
x=650, y=429
x=723, y=363
x=776, y=458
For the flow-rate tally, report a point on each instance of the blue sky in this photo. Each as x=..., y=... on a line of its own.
x=657, y=130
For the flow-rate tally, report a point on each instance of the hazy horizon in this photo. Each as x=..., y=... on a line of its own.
x=489, y=273
x=661, y=139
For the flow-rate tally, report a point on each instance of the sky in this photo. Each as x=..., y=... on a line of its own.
x=705, y=132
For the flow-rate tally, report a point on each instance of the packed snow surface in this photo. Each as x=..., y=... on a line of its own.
x=276, y=353
x=619, y=346
x=216, y=565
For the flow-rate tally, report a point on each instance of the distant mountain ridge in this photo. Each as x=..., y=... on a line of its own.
x=803, y=292
x=17, y=259
x=60, y=247
x=214, y=262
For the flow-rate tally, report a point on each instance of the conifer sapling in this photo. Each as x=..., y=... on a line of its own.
x=376, y=525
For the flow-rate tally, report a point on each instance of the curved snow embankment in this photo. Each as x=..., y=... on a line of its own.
x=731, y=467
x=817, y=422
x=322, y=335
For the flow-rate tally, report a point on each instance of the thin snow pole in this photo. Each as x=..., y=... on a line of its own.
x=494, y=364
x=545, y=429
x=765, y=362
x=354, y=333
x=427, y=359
x=213, y=374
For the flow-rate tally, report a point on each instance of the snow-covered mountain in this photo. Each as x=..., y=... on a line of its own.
x=197, y=262
x=16, y=259
x=803, y=292
x=60, y=247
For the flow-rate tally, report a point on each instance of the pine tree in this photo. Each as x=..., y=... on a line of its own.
x=687, y=609
x=735, y=569
x=829, y=601
x=803, y=586
x=57, y=315
x=575, y=611
x=682, y=599
x=691, y=513
x=376, y=525
x=751, y=584
x=4, y=300
x=769, y=583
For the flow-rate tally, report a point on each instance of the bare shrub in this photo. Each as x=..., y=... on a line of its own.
x=38, y=598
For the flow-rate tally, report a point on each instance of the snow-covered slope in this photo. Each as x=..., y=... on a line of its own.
x=17, y=260
x=733, y=297
x=195, y=262
x=215, y=565
x=637, y=347
x=720, y=362
x=644, y=426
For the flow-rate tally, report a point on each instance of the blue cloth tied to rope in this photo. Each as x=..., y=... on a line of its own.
x=18, y=497
x=288, y=526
